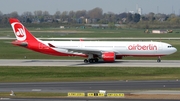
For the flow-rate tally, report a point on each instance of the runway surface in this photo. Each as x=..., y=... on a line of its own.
x=118, y=63
x=130, y=87
x=139, y=87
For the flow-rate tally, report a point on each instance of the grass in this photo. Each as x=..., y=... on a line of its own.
x=33, y=95
x=90, y=32
x=57, y=74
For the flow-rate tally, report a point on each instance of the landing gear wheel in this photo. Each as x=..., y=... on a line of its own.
x=158, y=60
x=96, y=60
x=85, y=61
x=90, y=60
x=93, y=60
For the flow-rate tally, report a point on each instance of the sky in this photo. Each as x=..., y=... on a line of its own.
x=116, y=6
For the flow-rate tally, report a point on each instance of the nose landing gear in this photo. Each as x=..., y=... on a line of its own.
x=159, y=59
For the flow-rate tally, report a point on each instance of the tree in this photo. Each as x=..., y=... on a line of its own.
x=27, y=14
x=136, y=17
x=122, y=15
x=14, y=14
x=129, y=17
x=45, y=13
x=105, y=18
x=1, y=14
x=111, y=17
x=95, y=13
x=27, y=17
x=38, y=13
x=4, y=20
x=45, y=16
x=72, y=14
x=81, y=13
x=57, y=15
x=174, y=20
x=150, y=16
x=159, y=15
x=64, y=15
x=28, y=20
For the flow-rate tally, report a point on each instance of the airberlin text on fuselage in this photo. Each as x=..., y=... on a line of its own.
x=142, y=47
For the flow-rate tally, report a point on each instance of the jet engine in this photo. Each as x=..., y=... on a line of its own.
x=108, y=56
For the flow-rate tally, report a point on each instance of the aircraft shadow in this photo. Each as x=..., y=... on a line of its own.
x=100, y=62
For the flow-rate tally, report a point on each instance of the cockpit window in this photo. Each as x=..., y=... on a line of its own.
x=170, y=46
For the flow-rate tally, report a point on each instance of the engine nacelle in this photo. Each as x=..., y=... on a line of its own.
x=108, y=56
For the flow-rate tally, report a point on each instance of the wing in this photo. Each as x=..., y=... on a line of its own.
x=80, y=50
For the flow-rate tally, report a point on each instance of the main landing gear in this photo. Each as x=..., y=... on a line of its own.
x=159, y=59
x=93, y=60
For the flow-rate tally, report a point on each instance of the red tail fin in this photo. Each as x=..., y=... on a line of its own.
x=21, y=33
x=27, y=40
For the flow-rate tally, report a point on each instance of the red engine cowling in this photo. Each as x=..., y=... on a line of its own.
x=108, y=56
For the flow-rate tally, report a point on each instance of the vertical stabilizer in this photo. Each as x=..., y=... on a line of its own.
x=21, y=33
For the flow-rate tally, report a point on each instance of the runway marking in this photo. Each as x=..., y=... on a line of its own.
x=36, y=90
x=5, y=98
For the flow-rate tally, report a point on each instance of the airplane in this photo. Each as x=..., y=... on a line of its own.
x=93, y=51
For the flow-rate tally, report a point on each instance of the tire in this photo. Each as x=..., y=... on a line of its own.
x=96, y=60
x=85, y=61
x=90, y=60
x=158, y=60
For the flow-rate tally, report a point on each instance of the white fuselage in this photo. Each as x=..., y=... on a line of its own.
x=129, y=48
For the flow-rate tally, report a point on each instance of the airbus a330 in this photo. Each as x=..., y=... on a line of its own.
x=93, y=51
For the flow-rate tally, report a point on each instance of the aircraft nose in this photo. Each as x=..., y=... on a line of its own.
x=175, y=50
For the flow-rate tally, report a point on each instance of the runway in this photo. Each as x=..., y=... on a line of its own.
x=75, y=63
x=135, y=87
x=148, y=88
